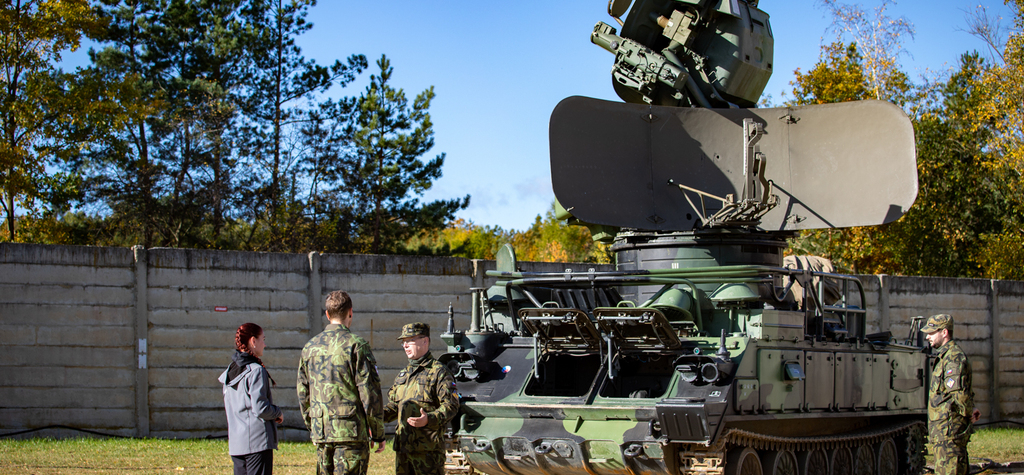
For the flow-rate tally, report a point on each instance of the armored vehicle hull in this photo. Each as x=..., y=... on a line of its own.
x=664, y=366
x=705, y=351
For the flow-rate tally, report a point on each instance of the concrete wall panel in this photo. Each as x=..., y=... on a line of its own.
x=189, y=358
x=178, y=423
x=1013, y=410
x=267, y=299
x=167, y=338
x=80, y=335
x=67, y=294
x=60, y=376
x=91, y=418
x=65, y=398
x=396, y=265
x=17, y=335
x=976, y=348
x=85, y=256
x=230, y=318
x=412, y=283
x=229, y=279
x=1012, y=335
x=69, y=321
x=22, y=273
x=55, y=315
x=952, y=303
x=404, y=302
x=65, y=356
x=185, y=398
x=1011, y=378
x=211, y=358
x=1011, y=363
x=1011, y=349
x=237, y=260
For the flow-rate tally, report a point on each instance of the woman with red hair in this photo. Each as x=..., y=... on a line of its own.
x=252, y=415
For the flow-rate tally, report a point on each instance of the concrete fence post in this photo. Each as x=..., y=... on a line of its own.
x=141, y=342
x=315, y=309
x=995, y=411
x=478, y=273
x=884, y=282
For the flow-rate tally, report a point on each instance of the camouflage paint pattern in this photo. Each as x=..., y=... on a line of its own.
x=339, y=388
x=428, y=386
x=524, y=430
x=950, y=404
x=347, y=458
x=546, y=390
x=419, y=463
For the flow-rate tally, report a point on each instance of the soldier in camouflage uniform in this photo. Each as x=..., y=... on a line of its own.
x=951, y=399
x=339, y=394
x=423, y=400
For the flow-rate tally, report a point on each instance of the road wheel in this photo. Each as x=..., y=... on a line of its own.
x=779, y=462
x=842, y=461
x=888, y=458
x=864, y=461
x=813, y=462
x=743, y=461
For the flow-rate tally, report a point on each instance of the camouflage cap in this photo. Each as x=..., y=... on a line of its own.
x=937, y=322
x=415, y=329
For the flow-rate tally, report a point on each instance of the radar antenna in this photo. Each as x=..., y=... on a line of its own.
x=749, y=210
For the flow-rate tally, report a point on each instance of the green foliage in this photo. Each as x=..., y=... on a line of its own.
x=964, y=199
x=42, y=109
x=221, y=142
x=460, y=239
x=880, y=42
x=551, y=240
x=1001, y=112
x=278, y=82
x=383, y=169
x=838, y=77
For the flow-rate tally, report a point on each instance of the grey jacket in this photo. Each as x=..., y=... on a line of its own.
x=250, y=409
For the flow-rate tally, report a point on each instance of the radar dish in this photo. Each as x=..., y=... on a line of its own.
x=830, y=165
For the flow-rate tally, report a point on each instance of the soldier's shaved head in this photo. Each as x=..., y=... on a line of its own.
x=338, y=304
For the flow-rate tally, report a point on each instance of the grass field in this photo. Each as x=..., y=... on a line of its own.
x=116, y=456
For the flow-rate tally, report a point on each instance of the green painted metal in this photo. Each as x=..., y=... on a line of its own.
x=694, y=351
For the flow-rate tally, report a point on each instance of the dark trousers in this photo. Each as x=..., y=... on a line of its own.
x=419, y=463
x=259, y=463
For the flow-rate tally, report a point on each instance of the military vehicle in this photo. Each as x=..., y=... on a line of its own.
x=704, y=351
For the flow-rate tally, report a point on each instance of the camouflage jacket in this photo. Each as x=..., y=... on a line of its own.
x=339, y=389
x=427, y=385
x=950, y=397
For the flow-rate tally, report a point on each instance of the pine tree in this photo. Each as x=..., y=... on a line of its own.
x=280, y=79
x=384, y=175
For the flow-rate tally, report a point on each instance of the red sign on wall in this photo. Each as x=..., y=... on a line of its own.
x=220, y=309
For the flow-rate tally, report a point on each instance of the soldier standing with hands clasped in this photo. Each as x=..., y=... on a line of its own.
x=339, y=394
x=423, y=400
x=950, y=399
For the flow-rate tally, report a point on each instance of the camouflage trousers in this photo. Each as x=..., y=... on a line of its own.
x=419, y=463
x=346, y=458
x=951, y=457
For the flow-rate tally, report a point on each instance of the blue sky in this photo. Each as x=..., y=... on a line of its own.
x=499, y=68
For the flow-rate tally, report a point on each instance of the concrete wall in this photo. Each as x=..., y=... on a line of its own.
x=989, y=326
x=81, y=328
